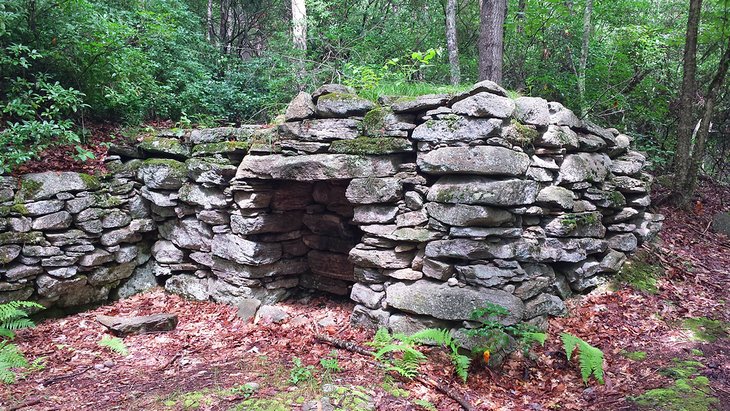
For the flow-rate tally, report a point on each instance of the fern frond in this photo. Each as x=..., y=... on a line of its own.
x=590, y=358
x=10, y=357
x=461, y=365
x=531, y=337
x=569, y=343
x=591, y=362
x=407, y=351
x=115, y=344
x=381, y=339
x=18, y=324
x=433, y=336
x=404, y=368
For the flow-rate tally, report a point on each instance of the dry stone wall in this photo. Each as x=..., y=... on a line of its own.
x=420, y=209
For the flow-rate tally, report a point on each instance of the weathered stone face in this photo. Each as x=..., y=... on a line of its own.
x=317, y=167
x=482, y=190
x=457, y=129
x=463, y=215
x=485, y=104
x=41, y=186
x=479, y=160
x=439, y=300
x=342, y=105
x=592, y=168
x=162, y=174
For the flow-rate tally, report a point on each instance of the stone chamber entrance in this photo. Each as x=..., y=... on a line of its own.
x=313, y=224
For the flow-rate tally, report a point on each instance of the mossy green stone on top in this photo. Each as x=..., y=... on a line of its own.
x=224, y=147
x=371, y=146
x=164, y=146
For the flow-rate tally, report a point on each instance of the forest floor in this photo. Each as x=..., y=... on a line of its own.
x=666, y=348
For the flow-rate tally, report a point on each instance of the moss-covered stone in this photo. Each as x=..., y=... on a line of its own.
x=371, y=146
x=169, y=147
x=524, y=135
x=15, y=209
x=374, y=121
x=31, y=238
x=224, y=147
x=91, y=182
x=105, y=200
x=28, y=189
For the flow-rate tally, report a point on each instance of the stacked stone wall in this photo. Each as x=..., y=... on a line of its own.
x=421, y=209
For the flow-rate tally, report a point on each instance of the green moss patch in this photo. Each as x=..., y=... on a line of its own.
x=704, y=329
x=164, y=146
x=224, y=147
x=524, y=135
x=28, y=189
x=687, y=394
x=690, y=391
x=371, y=146
x=634, y=355
x=12, y=237
x=640, y=274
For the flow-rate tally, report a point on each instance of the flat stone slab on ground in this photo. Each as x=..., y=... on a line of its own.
x=139, y=324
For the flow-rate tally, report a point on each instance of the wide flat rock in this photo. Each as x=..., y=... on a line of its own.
x=138, y=324
x=317, y=167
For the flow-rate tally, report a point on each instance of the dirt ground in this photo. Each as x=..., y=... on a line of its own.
x=664, y=350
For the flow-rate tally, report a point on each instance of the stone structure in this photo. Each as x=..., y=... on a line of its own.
x=419, y=209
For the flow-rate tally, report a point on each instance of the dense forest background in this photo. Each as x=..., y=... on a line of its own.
x=65, y=64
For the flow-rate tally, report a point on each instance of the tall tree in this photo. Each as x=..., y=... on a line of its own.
x=700, y=140
x=683, y=153
x=451, y=42
x=491, y=39
x=299, y=23
x=583, y=63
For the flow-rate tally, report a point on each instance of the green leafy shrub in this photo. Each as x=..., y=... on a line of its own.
x=300, y=373
x=13, y=317
x=590, y=358
x=36, y=111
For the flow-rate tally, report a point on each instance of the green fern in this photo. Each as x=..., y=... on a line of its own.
x=115, y=344
x=10, y=358
x=590, y=358
x=13, y=317
x=443, y=338
x=410, y=358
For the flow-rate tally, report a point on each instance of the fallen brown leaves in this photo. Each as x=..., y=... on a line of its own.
x=212, y=348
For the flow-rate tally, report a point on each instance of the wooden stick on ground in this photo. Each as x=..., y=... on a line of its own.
x=429, y=382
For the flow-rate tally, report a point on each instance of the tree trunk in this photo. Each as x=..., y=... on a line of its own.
x=223, y=27
x=520, y=18
x=491, y=39
x=698, y=151
x=209, y=30
x=451, y=42
x=299, y=23
x=583, y=63
x=682, y=155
